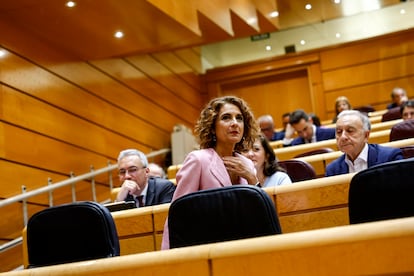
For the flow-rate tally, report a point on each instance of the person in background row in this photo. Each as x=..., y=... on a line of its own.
x=307, y=131
x=407, y=110
x=285, y=120
x=268, y=172
x=315, y=119
x=137, y=185
x=341, y=103
x=352, y=133
x=267, y=127
x=225, y=128
x=156, y=171
x=398, y=96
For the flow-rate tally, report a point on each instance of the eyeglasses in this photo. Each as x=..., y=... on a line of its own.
x=130, y=170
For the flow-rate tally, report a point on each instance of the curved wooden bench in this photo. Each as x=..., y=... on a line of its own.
x=376, y=248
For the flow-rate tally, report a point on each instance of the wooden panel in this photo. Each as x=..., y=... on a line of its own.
x=382, y=70
x=76, y=101
x=54, y=122
x=291, y=88
x=11, y=258
x=317, y=252
x=314, y=220
x=371, y=50
x=133, y=245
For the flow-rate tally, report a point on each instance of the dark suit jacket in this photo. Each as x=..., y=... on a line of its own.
x=376, y=155
x=159, y=191
x=321, y=135
x=278, y=136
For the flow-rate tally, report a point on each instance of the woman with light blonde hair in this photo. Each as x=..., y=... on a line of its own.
x=342, y=103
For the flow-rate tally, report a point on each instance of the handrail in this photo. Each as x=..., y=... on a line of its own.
x=69, y=181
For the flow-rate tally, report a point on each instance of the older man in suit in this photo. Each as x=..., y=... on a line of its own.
x=137, y=185
x=352, y=133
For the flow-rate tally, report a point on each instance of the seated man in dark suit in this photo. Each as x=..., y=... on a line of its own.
x=398, y=97
x=137, y=185
x=352, y=132
x=267, y=127
x=307, y=131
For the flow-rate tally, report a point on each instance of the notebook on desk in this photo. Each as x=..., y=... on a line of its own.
x=120, y=205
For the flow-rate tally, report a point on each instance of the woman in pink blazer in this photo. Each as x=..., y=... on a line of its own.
x=226, y=127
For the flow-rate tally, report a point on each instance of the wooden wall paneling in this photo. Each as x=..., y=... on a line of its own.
x=367, y=51
x=378, y=71
x=179, y=66
x=316, y=90
x=153, y=100
x=192, y=57
x=164, y=76
x=61, y=125
x=274, y=94
x=114, y=95
x=363, y=95
x=40, y=83
x=44, y=152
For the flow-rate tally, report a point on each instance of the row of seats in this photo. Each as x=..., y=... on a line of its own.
x=379, y=193
x=376, y=248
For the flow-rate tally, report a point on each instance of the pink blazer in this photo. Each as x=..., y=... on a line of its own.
x=202, y=169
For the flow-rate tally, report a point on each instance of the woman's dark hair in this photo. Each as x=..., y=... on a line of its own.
x=205, y=126
x=270, y=163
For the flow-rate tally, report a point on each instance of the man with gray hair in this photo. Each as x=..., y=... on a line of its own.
x=136, y=183
x=352, y=133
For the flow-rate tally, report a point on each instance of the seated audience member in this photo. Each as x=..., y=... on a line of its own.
x=268, y=172
x=341, y=103
x=407, y=110
x=398, y=96
x=156, y=171
x=352, y=133
x=137, y=185
x=307, y=131
x=285, y=120
x=267, y=127
x=315, y=119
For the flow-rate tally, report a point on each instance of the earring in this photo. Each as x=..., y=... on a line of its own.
x=214, y=138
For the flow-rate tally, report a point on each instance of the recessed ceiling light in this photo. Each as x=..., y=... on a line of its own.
x=119, y=34
x=302, y=42
x=338, y=35
x=337, y=1
x=402, y=11
x=2, y=53
x=70, y=4
x=308, y=6
x=268, y=48
x=274, y=14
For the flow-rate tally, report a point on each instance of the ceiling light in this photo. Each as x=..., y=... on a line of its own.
x=70, y=4
x=302, y=42
x=308, y=6
x=2, y=53
x=268, y=48
x=119, y=34
x=338, y=35
x=274, y=14
x=402, y=11
x=337, y=1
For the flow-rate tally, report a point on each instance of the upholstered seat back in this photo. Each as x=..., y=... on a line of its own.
x=381, y=192
x=402, y=130
x=298, y=170
x=71, y=232
x=221, y=214
x=391, y=114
